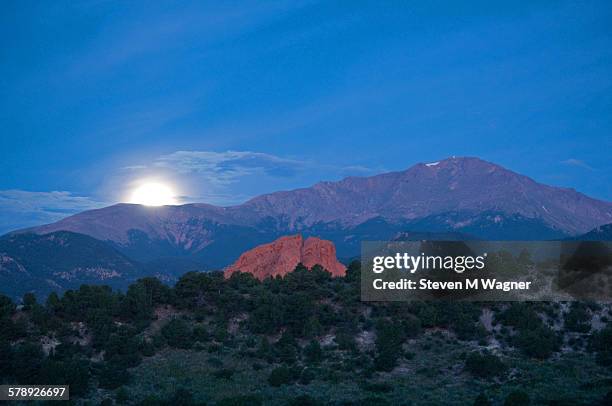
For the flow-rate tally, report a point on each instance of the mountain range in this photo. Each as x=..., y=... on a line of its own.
x=455, y=196
x=466, y=195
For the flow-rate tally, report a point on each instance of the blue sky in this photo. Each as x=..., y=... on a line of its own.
x=228, y=100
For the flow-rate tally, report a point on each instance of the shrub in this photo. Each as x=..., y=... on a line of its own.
x=607, y=400
x=307, y=376
x=378, y=387
x=280, y=376
x=7, y=307
x=146, y=348
x=601, y=343
x=112, y=376
x=27, y=362
x=373, y=401
x=520, y=316
x=578, y=319
x=285, y=348
x=389, y=341
x=200, y=334
x=251, y=400
x=29, y=300
x=484, y=365
x=313, y=352
x=71, y=372
x=412, y=326
x=122, y=395
x=215, y=362
x=304, y=400
x=482, y=400
x=538, y=343
x=345, y=341
x=6, y=359
x=122, y=348
x=225, y=373
x=181, y=397
x=517, y=398
x=467, y=329
x=178, y=334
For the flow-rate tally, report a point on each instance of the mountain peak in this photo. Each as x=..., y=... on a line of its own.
x=456, y=194
x=462, y=162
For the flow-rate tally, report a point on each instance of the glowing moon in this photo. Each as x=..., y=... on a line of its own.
x=153, y=194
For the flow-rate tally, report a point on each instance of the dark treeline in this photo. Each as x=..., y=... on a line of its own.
x=90, y=338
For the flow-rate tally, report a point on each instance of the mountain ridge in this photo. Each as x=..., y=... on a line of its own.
x=465, y=195
x=61, y=260
x=600, y=233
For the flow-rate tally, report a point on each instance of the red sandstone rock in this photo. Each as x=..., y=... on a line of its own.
x=282, y=256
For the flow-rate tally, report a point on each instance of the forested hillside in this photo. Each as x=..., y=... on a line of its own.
x=305, y=339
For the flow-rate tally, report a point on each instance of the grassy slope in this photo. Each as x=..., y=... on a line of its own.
x=433, y=376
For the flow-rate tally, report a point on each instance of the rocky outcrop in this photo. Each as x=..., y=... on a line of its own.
x=283, y=255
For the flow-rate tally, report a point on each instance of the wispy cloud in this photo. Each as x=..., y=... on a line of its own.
x=577, y=163
x=231, y=177
x=21, y=208
x=129, y=39
x=223, y=178
x=227, y=167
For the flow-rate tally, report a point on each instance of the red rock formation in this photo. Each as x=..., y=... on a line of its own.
x=282, y=256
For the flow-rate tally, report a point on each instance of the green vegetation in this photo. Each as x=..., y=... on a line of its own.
x=306, y=339
x=484, y=366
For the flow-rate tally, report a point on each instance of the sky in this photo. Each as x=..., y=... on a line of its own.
x=228, y=100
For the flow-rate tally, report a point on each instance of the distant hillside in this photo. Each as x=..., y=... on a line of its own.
x=601, y=233
x=429, y=236
x=58, y=261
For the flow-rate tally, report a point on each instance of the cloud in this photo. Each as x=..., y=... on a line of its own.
x=128, y=38
x=232, y=177
x=222, y=178
x=577, y=163
x=227, y=167
x=21, y=208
